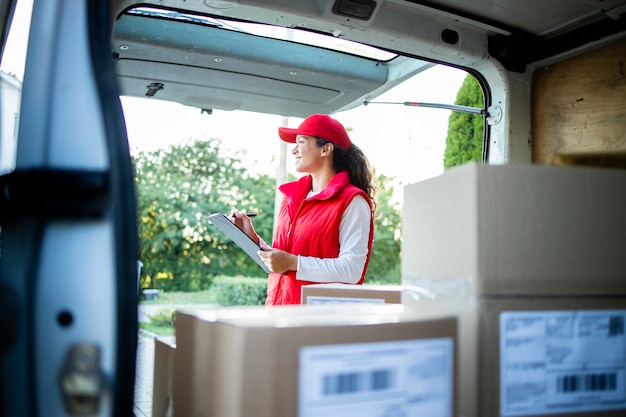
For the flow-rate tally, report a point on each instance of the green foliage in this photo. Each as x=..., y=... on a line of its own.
x=464, y=142
x=164, y=318
x=158, y=330
x=240, y=291
x=182, y=297
x=161, y=323
x=177, y=188
x=384, y=266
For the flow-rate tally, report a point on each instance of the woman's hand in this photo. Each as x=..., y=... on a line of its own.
x=244, y=223
x=278, y=260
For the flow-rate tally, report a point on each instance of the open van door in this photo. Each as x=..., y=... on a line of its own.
x=68, y=283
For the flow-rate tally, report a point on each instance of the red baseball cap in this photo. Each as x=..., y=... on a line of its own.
x=320, y=125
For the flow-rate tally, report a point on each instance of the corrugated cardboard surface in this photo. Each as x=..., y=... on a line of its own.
x=489, y=341
x=478, y=382
x=466, y=311
x=162, y=397
x=251, y=367
x=517, y=230
x=192, y=371
x=343, y=293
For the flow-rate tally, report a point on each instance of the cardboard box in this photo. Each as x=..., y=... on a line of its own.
x=337, y=293
x=558, y=357
x=192, y=371
x=316, y=360
x=486, y=350
x=494, y=242
x=346, y=293
x=164, y=350
x=517, y=230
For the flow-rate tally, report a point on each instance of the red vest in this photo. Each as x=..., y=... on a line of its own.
x=310, y=227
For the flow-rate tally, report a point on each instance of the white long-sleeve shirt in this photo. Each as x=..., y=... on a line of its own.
x=348, y=267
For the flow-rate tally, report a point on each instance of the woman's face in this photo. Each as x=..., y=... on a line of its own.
x=308, y=155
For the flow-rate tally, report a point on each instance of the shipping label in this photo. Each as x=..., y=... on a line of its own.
x=554, y=362
x=318, y=299
x=379, y=379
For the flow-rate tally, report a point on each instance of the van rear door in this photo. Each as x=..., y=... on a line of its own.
x=69, y=252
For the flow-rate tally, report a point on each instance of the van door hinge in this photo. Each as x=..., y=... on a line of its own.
x=494, y=115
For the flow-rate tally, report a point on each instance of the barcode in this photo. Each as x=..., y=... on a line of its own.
x=587, y=382
x=355, y=382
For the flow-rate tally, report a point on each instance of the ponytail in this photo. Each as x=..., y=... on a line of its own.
x=358, y=166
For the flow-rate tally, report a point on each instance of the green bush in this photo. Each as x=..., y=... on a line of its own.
x=158, y=330
x=390, y=277
x=238, y=291
x=163, y=318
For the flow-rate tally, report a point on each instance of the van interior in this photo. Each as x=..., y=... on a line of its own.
x=553, y=79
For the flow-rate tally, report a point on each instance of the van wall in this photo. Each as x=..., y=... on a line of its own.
x=579, y=105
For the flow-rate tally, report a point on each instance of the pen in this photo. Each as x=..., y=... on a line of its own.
x=249, y=214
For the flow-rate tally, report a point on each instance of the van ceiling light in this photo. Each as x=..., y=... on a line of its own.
x=360, y=9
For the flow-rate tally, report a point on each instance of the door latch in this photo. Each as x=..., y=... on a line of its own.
x=82, y=380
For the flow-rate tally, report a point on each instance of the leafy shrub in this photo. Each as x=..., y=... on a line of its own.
x=176, y=188
x=238, y=291
x=390, y=277
x=163, y=318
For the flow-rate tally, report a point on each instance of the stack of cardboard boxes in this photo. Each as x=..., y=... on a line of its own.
x=533, y=261
x=352, y=349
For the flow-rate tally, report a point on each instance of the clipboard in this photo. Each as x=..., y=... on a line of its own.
x=230, y=229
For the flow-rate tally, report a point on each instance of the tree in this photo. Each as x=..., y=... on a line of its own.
x=177, y=188
x=465, y=130
x=384, y=266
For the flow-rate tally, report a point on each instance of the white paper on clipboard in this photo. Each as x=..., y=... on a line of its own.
x=238, y=236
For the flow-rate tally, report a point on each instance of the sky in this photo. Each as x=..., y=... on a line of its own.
x=402, y=142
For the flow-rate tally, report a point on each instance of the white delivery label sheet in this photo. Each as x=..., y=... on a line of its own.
x=318, y=299
x=395, y=378
x=562, y=361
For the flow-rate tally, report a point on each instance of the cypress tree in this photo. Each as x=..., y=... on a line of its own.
x=464, y=142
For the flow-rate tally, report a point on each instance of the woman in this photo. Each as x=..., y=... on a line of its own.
x=325, y=225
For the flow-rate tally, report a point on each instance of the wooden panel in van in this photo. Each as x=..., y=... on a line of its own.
x=579, y=105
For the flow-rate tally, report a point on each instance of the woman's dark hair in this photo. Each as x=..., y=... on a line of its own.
x=358, y=166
